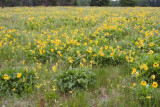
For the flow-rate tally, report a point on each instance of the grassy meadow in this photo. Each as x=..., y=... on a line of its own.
x=79, y=56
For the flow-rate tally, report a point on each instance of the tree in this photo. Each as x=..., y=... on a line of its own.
x=2, y=3
x=75, y=3
x=9, y=3
x=84, y=2
x=114, y=3
x=64, y=2
x=52, y=2
x=95, y=3
x=99, y=2
x=143, y=3
x=158, y=3
x=128, y=2
x=154, y=2
x=105, y=2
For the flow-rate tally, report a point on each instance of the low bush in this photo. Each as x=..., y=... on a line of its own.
x=75, y=79
x=16, y=81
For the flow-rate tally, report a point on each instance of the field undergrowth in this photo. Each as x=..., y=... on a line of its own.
x=79, y=56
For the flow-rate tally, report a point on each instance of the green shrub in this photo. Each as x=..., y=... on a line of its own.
x=75, y=79
x=16, y=81
x=145, y=93
x=128, y=2
x=147, y=66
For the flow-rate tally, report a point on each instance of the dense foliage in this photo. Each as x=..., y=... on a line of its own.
x=142, y=2
x=17, y=81
x=128, y=2
x=75, y=79
x=99, y=2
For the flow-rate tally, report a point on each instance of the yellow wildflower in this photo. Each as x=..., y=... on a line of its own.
x=144, y=83
x=106, y=47
x=39, y=66
x=137, y=74
x=155, y=84
x=134, y=84
x=54, y=68
x=153, y=77
x=151, y=44
x=94, y=55
x=81, y=64
x=70, y=60
x=61, y=55
x=54, y=88
x=150, y=52
x=102, y=54
x=144, y=66
x=70, y=92
x=23, y=62
x=148, y=97
x=84, y=60
x=26, y=69
x=134, y=69
x=52, y=50
x=90, y=50
x=6, y=77
x=13, y=89
x=155, y=65
x=19, y=75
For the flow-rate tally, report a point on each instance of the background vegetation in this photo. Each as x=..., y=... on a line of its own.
x=79, y=3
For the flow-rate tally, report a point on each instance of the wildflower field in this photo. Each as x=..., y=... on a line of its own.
x=80, y=56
